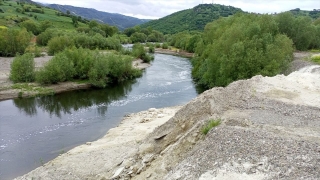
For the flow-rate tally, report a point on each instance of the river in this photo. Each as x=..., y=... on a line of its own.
x=36, y=130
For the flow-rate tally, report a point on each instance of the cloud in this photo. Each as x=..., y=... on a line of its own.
x=159, y=8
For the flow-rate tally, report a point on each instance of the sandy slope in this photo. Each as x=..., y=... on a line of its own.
x=96, y=160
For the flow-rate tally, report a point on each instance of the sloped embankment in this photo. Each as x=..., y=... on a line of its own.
x=270, y=129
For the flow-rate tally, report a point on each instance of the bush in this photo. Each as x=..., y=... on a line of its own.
x=82, y=60
x=13, y=41
x=58, y=44
x=158, y=45
x=151, y=49
x=138, y=51
x=58, y=69
x=211, y=124
x=98, y=73
x=316, y=59
x=165, y=46
x=22, y=68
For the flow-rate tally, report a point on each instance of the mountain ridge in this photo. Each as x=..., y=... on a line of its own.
x=114, y=19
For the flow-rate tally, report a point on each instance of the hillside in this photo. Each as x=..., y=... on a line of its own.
x=113, y=19
x=314, y=14
x=14, y=12
x=191, y=19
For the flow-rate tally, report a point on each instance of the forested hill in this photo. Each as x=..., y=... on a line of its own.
x=113, y=19
x=191, y=19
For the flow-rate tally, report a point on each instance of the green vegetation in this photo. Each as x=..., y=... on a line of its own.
x=138, y=51
x=22, y=69
x=313, y=14
x=211, y=124
x=240, y=47
x=301, y=30
x=13, y=41
x=29, y=88
x=316, y=59
x=141, y=35
x=193, y=19
x=100, y=68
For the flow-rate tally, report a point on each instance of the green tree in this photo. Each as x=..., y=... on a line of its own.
x=13, y=41
x=241, y=47
x=31, y=26
x=138, y=37
x=22, y=69
x=93, y=24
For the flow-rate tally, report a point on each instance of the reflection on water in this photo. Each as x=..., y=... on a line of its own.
x=70, y=101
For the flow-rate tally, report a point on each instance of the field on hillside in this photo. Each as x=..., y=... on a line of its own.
x=12, y=14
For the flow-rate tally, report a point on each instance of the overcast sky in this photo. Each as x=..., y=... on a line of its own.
x=154, y=9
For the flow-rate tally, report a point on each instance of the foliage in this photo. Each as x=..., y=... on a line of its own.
x=82, y=60
x=22, y=68
x=301, y=30
x=316, y=59
x=151, y=49
x=58, y=44
x=138, y=37
x=99, y=68
x=138, y=51
x=240, y=47
x=165, y=46
x=44, y=37
x=58, y=69
x=13, y=41
x=211, y=124
x=191, y=19
x=31, y=26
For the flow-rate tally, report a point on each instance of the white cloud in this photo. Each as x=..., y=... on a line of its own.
x=160, y=8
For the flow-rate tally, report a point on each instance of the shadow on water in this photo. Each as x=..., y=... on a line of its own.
x=75, y=100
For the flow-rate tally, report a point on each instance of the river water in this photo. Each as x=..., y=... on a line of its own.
x=36, y=130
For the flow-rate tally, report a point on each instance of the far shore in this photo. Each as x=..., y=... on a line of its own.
x=8, y=92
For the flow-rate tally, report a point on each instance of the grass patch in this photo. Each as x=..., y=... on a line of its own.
x=211, y=124
x=315, y=50
x=316, y=59
x=38, y=91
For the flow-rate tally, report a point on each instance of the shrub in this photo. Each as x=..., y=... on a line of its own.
x=151, y=49
x=58, y=69
x=211, y=124
x=139, y=52
x=158, y=45
x=58, y=44
x=82, y=60
x=46, y=36
x=22, y=68
x=98, y=73
x=316, y=59
x=13, y=41
x=165, y=46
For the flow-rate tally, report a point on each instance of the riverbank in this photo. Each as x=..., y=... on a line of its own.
x=176, y=52
x=10, y=91
x=96, y=160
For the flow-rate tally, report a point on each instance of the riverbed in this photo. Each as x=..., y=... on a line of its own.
x=36, y=130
